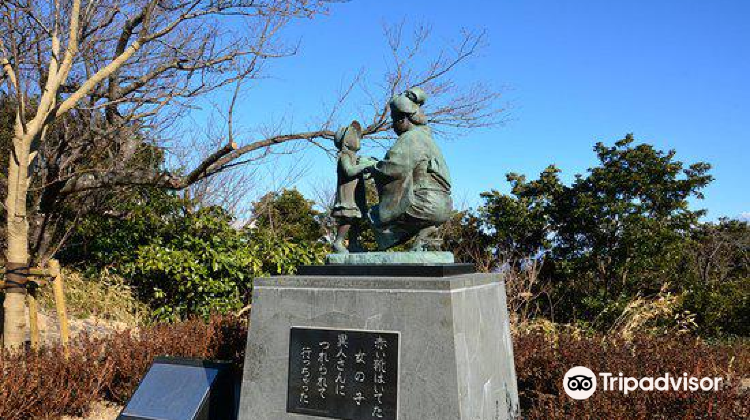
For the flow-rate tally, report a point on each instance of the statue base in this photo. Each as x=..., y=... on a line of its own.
x=386, y=270
x=413, y=257
x=392, y=348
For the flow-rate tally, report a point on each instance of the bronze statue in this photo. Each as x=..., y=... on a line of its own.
x=413, y=181
x=351, y=205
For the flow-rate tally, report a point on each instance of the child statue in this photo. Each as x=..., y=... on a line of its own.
x=351, y=205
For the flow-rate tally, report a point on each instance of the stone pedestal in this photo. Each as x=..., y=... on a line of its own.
x=455, y=353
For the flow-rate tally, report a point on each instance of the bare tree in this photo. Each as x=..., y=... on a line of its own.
x=92, y=81
x=114, y=68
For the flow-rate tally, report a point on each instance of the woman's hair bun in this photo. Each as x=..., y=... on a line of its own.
x=338, y=138
x=416, y=95
x=409, y=102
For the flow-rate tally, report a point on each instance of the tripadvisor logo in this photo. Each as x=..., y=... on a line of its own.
x=580, y=383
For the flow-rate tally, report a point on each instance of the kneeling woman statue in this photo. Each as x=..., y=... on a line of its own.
x=413, y=182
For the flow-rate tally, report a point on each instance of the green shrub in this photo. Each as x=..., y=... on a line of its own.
x=715, y=279
x=211, y=271
x=620, y=234
x=289, y=215
x=183, y=261
x=722, y=309
x=206, y=265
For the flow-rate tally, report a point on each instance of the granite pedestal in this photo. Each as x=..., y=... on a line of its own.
x=455, y=359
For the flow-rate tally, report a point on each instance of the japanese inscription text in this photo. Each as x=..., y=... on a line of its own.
x=343, y=374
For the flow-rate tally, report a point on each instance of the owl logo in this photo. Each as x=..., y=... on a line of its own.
x=579, y=383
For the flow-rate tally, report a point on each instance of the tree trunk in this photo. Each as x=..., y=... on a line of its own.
x=17, y=253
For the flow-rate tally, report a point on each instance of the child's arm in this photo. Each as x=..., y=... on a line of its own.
x=351, y=168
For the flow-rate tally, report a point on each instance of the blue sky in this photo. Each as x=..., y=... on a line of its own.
x=675, y=73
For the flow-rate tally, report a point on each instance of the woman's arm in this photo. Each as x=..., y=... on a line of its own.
x=398, y=161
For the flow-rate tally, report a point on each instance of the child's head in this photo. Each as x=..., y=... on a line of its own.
x=348, y=137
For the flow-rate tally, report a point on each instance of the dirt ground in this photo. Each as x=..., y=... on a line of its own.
x=49, y=328
x=99, y=411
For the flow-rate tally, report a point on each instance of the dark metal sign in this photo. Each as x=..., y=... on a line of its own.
x=183, y=389
x=343, y=374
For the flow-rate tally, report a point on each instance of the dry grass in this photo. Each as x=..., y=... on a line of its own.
x=659, y=314
x=99, y=411
x=107, y=368
x=104, y=297
x=542, y=359
x=525, y=291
